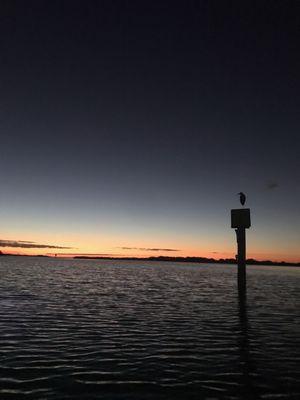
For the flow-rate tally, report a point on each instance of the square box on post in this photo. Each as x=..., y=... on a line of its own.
x=240, y=218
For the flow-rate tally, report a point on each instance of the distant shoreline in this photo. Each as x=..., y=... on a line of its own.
x=249, y=261
x=203, y=260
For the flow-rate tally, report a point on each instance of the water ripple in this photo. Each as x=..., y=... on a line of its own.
x=119, y=330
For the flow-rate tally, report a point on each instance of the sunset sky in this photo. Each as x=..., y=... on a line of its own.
x=128, y=127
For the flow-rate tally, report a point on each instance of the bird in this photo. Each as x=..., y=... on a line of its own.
x=242, y=198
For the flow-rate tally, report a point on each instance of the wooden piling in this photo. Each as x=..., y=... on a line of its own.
x=240, y=220
x=241, y=258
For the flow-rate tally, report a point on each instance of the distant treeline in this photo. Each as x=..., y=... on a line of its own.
x=250, y=261
x=23, y=255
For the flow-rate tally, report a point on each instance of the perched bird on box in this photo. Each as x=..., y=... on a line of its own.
x=242, y=198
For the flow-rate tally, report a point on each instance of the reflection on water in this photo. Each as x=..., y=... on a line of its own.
x=247, y=362
x=130, y=330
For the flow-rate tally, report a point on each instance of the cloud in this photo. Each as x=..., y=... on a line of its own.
x=147, y=249
x=28, y=245
x=89, y=254
x=272, y=185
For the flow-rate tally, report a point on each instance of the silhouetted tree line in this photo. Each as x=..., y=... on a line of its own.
x=250, y=261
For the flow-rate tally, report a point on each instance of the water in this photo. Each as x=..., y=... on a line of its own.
x=90, y=329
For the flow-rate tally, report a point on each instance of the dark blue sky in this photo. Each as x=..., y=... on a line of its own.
x=144, y=118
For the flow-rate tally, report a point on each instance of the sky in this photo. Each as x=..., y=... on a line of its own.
x=128, y=127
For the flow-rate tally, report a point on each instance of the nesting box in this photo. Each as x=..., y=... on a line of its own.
x=240, y=218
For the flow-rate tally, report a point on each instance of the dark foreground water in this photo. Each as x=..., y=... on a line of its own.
x=140, y=330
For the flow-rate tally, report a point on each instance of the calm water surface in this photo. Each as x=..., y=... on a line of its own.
x=89, y=329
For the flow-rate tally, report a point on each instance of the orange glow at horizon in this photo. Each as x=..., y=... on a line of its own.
x=119, y=252
x=112, y=244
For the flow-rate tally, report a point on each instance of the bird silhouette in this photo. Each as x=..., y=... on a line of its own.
x=242, y=198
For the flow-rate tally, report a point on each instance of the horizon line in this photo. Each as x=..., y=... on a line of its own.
x=232, y=260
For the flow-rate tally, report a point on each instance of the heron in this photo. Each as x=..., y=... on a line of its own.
x=242, y=198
